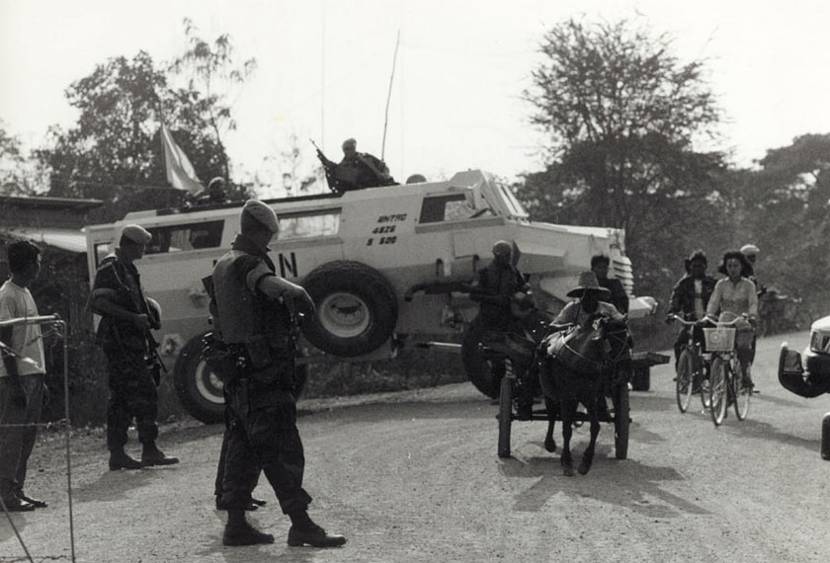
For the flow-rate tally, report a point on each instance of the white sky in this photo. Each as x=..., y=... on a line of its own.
x=324, y=69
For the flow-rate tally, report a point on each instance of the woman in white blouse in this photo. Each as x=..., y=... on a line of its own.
x=733, y=297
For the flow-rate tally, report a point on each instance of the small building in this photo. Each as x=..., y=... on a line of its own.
x=55, y=225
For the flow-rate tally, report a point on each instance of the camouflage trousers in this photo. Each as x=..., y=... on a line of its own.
x=133, y=395
x=262, y=433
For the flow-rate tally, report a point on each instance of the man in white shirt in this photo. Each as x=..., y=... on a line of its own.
x=22, y=377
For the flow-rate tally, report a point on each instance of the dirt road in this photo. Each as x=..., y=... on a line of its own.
x=416, y=478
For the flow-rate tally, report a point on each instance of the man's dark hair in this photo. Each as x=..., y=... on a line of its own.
x=698, y=255
x=22, y=253
x=599, y=259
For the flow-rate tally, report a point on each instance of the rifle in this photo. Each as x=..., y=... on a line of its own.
x=157, y=363
x=330, y=169
x=326, y=162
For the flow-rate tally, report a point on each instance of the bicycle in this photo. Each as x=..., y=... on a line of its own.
x=727, y=376
x=691, y=369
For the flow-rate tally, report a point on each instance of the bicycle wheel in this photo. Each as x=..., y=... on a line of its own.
x=705, y=384
x=684, y=380
x=505, y=415
x=741, y=392
x=718, y=390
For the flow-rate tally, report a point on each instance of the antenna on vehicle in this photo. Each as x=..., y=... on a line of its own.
x=389, y=95
x=323, y=74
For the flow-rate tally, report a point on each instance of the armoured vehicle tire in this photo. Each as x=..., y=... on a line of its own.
x=336, y=288
x=200, y=390
x=477, y=367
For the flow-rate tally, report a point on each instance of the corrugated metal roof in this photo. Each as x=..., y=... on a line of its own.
x=72, y=240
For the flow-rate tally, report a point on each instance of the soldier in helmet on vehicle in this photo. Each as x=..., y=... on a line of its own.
x=357, y=170
x=254, y=313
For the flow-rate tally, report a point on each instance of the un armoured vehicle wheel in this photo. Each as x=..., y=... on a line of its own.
x=478, y=368
x=199, y=388
x=356, y=308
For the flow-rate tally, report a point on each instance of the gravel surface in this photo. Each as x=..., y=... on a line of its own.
x=414, y=476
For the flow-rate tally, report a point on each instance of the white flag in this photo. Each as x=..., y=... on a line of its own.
x=180, y=172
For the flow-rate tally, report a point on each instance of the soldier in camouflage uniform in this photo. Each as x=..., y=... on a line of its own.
x=254, y=324
x=124, y=334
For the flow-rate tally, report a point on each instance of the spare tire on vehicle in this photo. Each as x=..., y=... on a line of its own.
x=199, y=388
x=357, y=309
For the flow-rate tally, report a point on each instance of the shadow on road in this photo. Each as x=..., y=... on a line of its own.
x=650, y=403
x=763, y=397
x=113, y=485
x=278, y=551
x=766, y=431
x=6, y=531
x=471, y=409
x=628, y=484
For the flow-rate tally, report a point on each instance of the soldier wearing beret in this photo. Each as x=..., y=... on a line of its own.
x=253, y=321
x=124, y=334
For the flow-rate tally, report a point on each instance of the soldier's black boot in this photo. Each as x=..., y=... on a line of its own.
x=238, y=531
x=120, y=460
x=151, y=455
x=305, y=531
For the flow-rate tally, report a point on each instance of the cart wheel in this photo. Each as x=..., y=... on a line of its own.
x=621, y=422
x=505, y=415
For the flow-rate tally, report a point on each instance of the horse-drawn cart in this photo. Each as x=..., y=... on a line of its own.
x=523, y=352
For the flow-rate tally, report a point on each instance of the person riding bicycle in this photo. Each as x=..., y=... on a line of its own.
x=735, y=296
x=750, y=252
x=690, y=297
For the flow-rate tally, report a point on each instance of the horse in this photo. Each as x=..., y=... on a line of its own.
x=576, y=365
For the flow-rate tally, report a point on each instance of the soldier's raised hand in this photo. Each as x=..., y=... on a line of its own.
x=302, y=299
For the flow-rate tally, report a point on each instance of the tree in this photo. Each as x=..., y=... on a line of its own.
x=114, y=153
x=209, y=68
x=622, y=114
x=18, y=174
x=785, y=206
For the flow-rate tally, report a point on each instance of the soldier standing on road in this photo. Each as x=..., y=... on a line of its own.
x=256, y=327
x=21, y=377
x=124, y=334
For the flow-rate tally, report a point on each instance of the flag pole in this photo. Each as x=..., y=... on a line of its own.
x=389, y=95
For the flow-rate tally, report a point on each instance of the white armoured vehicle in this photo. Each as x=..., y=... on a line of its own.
x=380, y=264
